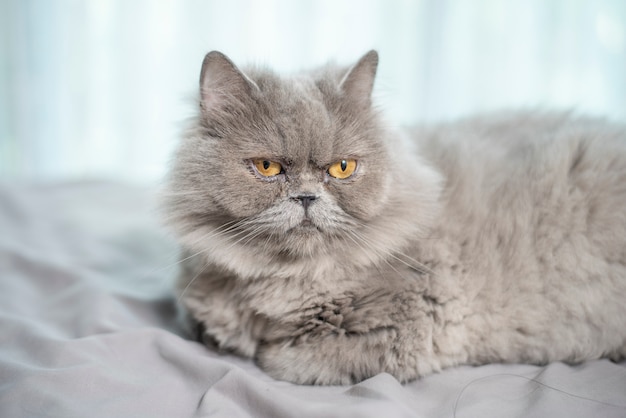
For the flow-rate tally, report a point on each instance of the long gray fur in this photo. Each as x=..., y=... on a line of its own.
x=494, y=239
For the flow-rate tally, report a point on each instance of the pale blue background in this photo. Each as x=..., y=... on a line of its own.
x=100, y=88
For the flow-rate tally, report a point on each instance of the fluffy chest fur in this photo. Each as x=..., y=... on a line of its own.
x=330, y=248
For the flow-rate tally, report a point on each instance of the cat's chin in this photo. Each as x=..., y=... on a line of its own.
x=307, y=223
x=304, y=239
x=305, y=228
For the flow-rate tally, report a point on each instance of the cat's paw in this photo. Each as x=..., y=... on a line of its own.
x=334, y=359
x=325, y=318
x=338, y=341
x=346, y=315
x=346, y=339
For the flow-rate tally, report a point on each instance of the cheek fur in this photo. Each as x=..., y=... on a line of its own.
x=363, y=197
x=241, y=193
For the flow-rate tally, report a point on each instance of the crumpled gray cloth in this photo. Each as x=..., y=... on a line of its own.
x=89, y=328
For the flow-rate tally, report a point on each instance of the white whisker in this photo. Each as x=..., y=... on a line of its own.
x=191, y=282
x=378, y=252
x=417, y=266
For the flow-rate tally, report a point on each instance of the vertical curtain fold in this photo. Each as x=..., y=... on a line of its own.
x=101, y=88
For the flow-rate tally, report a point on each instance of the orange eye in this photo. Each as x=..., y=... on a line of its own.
x=342, y=169
x=267, y=168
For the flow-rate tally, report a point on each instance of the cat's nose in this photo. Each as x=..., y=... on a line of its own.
x=306, y=200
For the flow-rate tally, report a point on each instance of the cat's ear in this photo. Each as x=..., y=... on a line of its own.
x=358, y=82
x=221, y=82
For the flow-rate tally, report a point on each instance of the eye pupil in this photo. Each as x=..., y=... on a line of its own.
x=266, y=164
x=342, y=169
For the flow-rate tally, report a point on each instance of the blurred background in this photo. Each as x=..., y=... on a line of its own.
x=100, y=89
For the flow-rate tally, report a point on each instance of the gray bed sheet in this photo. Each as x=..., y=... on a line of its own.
x=89, y=328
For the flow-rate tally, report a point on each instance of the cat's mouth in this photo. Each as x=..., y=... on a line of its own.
x=306, y=225
x=306, y=222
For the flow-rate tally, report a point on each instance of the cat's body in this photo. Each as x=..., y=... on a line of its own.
x=497, y=239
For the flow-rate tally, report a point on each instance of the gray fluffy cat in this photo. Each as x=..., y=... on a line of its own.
x=330, y=248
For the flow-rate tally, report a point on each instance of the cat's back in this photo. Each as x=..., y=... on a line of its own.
x=534, y=210
x=538, y=143
x=518, y=174
x=528, y=157
x=528, y=194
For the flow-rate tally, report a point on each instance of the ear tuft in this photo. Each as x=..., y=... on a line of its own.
x=358, y=82
x=221, y=81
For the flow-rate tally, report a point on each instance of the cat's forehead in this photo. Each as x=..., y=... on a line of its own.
x=294, y=95
x=303, y=126
x=288, y=94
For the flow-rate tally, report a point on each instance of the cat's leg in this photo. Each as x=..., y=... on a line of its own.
x=225, y=327
x=351, y=338
x=216, y=313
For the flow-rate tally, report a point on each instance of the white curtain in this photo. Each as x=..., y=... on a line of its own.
x=101, y=88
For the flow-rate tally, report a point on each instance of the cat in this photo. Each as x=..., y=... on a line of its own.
x=329, y=247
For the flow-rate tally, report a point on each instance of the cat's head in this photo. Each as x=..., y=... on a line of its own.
x=290, y=167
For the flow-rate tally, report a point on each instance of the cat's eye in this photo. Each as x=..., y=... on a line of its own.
x=267, y=168
x=342, y=169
